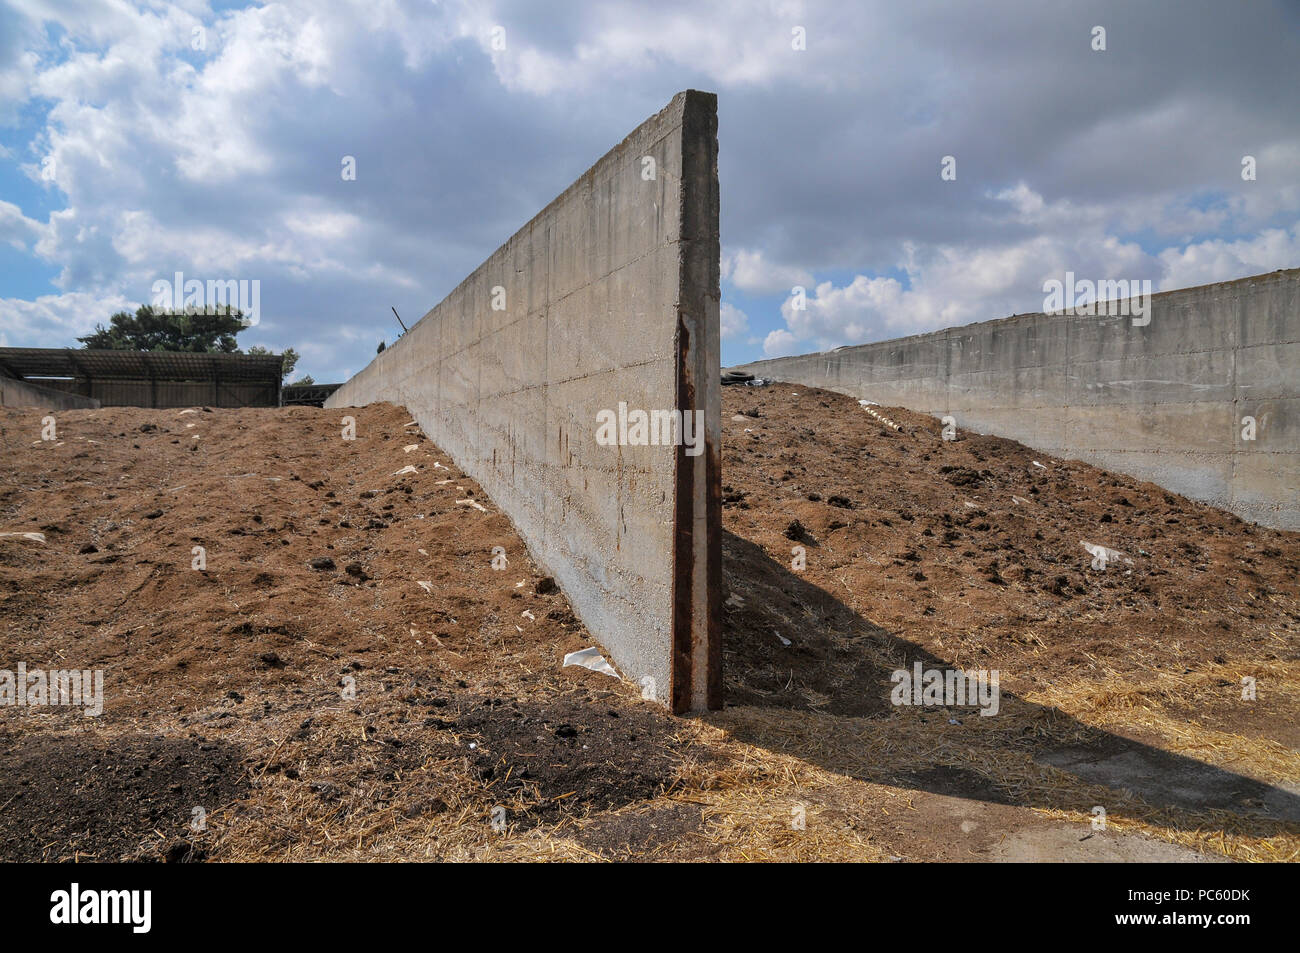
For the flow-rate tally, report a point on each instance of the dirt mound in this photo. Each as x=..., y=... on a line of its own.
x=973, y=550
x=309, y=641
x=358, y=640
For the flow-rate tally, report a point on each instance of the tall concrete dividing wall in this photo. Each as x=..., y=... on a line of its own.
x=608, y=297
x=1162, y=401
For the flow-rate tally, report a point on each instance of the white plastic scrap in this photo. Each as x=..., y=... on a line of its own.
x=592, y=659
x=426, y=586
x=527, y=614
x=1039, y=465
x=406, y=469
x=473, y=503
x=1101, y=555
x=34, y=537
x=438, y=466
x=410, y=446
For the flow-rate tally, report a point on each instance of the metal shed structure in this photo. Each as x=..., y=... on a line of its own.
x=149, y=378
x=306, y=395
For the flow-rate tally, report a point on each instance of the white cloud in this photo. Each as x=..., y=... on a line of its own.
x=780, y=343
x=951, y=285
x=1207, y=262
x=749, y=270
x=16, y=229
x=55, y=320
x=733, y=321
x=731, y=42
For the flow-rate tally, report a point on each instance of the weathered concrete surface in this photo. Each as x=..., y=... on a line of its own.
x=610, y=295
x=1075, y=844
x=1163, y=402
x=16, y=393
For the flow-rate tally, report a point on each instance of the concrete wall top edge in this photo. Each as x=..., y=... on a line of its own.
x=681, y=104
x=1163, y=298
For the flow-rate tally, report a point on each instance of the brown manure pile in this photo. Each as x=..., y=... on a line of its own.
x=309, y=655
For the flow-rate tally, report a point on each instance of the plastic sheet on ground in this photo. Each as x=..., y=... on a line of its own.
x=592, y=659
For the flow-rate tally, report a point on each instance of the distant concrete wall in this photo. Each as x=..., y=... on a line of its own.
x=16, y=393
x=610, y=295
x=1163, y=402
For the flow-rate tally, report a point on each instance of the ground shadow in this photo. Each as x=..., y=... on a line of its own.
x=791, y=646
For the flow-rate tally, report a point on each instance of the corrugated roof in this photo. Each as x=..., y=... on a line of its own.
x=138, y=365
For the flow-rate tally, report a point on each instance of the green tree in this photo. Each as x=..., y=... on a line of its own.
x=289, y=358
x=194, y=331
x=156, y=330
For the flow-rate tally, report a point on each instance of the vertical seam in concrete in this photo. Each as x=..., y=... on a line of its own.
x=683, y=539
x=947, y=372
x=547, y=510
x=1236, y=408
x=1065, y=416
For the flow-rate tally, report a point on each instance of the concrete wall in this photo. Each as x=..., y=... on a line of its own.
x=16, y=393
x=611, y=295
x=1162, y=402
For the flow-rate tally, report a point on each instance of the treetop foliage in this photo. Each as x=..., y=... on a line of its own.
x=151, y=329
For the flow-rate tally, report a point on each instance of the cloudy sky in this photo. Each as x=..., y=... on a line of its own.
x=142, y=139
